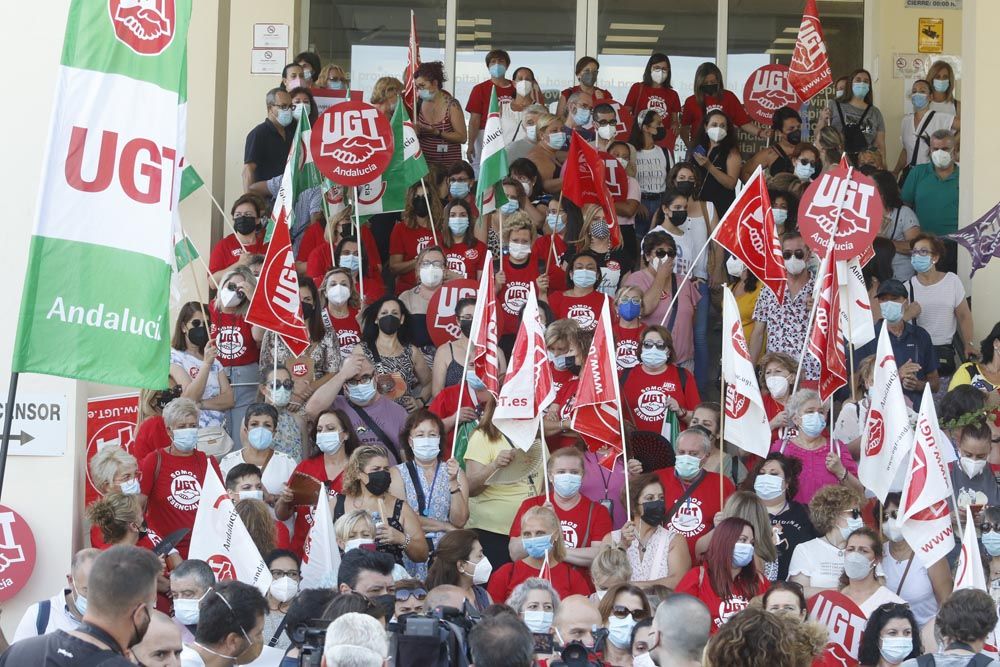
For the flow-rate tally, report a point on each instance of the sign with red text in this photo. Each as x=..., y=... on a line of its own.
x=442, y=324
x=111, y=422
x=352, y=143
x=17, y=553
x=844, y=203
x=615, y=177
x=767, y=90
x=844, y=620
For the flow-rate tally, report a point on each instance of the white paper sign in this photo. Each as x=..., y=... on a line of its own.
x=932, y=4
x=40, y=426
x=267, y=61
x=910, y=65
x=270, y=35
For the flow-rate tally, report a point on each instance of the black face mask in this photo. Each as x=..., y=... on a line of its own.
x=660, y=134
x=198, y=336
x=140, y=632
x=686, y=188
x=307, y=311
x=386, y=603
x=378, y=483
x=573, y=367
x=389, y=324
x=419, y=207
x=709, y=88
x=678, y=217
x=794, y=137
x=245, y=224
x=466, y=327
x=653, y=512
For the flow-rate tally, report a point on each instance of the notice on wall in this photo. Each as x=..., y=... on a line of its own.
x=909, y=65
x=270, y=36
x=930, y=35
x=932, y=4
x=267, y=61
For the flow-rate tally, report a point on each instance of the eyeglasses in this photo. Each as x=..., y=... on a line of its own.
x=291, y=574
x=282, y=107
x=364, y=379
x=194, y=324
x=605, y=123
x=663, y=252
x=799, y=254
x=923, y=252
x=891, y=514
x=807, y=163
x=988, y=527
x=404, y=594
x=621, y=611
x=465, y=319
x=458, y=179
x=286, y=384
x=432, y=264
x=635, y=300
x=649, y=345
x=855, y=513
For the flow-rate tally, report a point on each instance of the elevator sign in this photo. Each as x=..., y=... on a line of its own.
x=40, y=426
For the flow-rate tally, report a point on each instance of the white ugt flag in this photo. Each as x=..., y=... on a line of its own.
x=855, y=307
x=220, y=539
x=924, y=514
x=321, y=557
x=746, y=424
x=888, y=435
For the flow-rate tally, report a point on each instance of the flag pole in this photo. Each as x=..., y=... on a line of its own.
x=687, y=276
x=225, y=216
x=203, y=262
x=361, y=263
x=8, y=420
x=197, y=286
x=430, y=216
x=461, y=390
x=722, y=438
x=552, y=241
x=849, y=337
x=545, y=458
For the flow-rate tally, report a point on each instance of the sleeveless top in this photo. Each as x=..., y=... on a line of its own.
x=436, y=150
x=453, y=374
x=783, y=165
x=712, y=190
x=437, y=499
x=394, y=550
x=401, y=365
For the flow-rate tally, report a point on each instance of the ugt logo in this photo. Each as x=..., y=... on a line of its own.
x=145, y=26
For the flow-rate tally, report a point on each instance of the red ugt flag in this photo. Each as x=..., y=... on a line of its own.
x=809, y=71
x=484, y=332
x=585, y=182
x=747, y=230
x=826, y=341
x=595, y=409
x=412, y=63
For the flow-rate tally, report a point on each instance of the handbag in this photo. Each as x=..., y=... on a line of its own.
x=214, y=441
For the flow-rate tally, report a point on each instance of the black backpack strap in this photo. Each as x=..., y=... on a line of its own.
x=42, y=619
x=338, y=506
x=840, y=113
x=370, y=423
x=673, y=313
x=980, y=660
x=909, y=288
x=278, y=631
x=926, y=660
x=920, y=134
x=683, y=375
x=418, y=487
x=684, y=497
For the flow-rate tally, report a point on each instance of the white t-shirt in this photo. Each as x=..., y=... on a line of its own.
x=191, y=658
x=510, y=124
x=59, y=619
x=651, y=170
x=696, y=228
x=687, y=248
x=903, y=220
x=940, y=121
x=937, y=306
x=916, y=590
x=275, y=475
x=819, y=560
x=879, y=598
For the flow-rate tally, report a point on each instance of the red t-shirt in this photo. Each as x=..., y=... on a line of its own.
x=661, y=100
x=227, y=251
x=566, y=579
x=467, y=261
x=729, y=104
x=407, y=242
x=311, y=238
x=626, y=345
x=586, y=310
x=348, y=330
x=565, y=397
x=314, y=467
x=479, y=98
x=233, y=335
x=320, y=260
x=772, y=408
x=445, y=405
x=150, y=436
x=282, y=539
x=697, y=515
x=542, y=247
x=721, y=610
x=646, y=395
x=574, y=521
x=173, y=495
x=514, y=292
x=599, y=93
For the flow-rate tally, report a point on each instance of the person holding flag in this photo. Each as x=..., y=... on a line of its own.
x=659, y=395
x=519, y=270
x=246, y=240
x=478, y=106
x=550, y=139
x=416, y=230
x=567, y=346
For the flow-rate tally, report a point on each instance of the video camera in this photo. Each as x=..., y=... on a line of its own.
x=312, y=639
x=575, y=654
x=437, y=639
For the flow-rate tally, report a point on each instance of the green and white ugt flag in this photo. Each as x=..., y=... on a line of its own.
x=387, y=193
x=493, y=161
x=95, y=301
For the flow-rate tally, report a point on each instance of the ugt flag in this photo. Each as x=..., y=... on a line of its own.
x=493, y=161
x=387, y=193
x=320, y=557
x=595, y=413
x=109, y=186
x=826, y=342
x=809, y=71
x=746, y=424
x=585, y=182
x=220, y=539
x=484, y=338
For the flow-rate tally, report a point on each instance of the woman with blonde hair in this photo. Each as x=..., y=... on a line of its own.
x=257, y=518
x=623, y=606
x=551, y=139
x=118, y=518
x=343, y=306
x=614, y=261
x=385, y=94
x=942, y=79
x=610, y=567
x=542, y=539
x=335, y=78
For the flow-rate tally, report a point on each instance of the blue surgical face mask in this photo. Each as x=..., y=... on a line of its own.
x=185, y=439
x=458, y=226
x=131, y=487
x=919, y=100
x=350, y=262
x=852, y=525
x=335, y=85
x=620, y=631
x=687, y=466
x=459, y=189
x=742, y=554
x=803, y=172
x=328, y=441
x=567, y=484
x=921, y=263
x=79, y=601
x=584, y=277
x=537, y=546
x=991, y=542
x=497, y=70
x=941, y=85
x=475, y=384
x=860, y=89
x=260, y=437
x=426, y=95
x=653, y=357
x=581, y=116
x=557, y=140
x=892, y=311
x=780, y=215
x=555, y=222
x=285, y=117
x=813, y=423
x=361, y=393
x=768, y=487
x=281, y=397
x=563, y=361
x=426, y=449
x=538, y=621
x=509, y=206
x=629, y=311
x=896, y=649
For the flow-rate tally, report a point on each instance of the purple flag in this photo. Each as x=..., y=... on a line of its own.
x=981, y=238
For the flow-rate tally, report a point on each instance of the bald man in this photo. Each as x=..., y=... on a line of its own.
x=576, y=618
x=444, y=595
x=64, y=610
x=682, y=623
x=161, y=646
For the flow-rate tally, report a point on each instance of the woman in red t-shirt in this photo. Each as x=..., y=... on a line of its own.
x=518, y=268
x=710, y=94
x=581, y=302
x=627, y=327
x=655, y=92
x=567, y=344
x=247, y=238
x=563, y=220
x=777, y=373
x=416, y=230
x=464, y=254
x=657, y=387
x=542, y=539
x=729, y=579
x=586, y=73
x=342, y=306
x=335, y=442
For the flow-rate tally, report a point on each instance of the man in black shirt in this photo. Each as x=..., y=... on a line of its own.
x=267, y=145
x=121, y=597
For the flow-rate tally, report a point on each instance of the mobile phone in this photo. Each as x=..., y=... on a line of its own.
x=542, y=642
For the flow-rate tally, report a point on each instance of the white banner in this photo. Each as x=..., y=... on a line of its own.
x=745, y=424
x=321, y=556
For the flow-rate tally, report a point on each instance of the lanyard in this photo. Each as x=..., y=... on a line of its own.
x=430, y=494
x=101, y=636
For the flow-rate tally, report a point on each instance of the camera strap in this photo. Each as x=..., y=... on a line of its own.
x=278, y=631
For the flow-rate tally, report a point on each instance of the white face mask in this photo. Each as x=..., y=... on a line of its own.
x=777, y=385
x=531, y=131
x=658, y=75
x=972, y=467
x=431, y=276
x=357, y=543
x=941, y=158
x=338, y=294
x=254, y=494
x=229, y=298
x=186, y=610
x=735, y=266
x=607, y=132
x=716, y=134
x=518, y=251
x=284, y=589
x=795, y=266
x=522, y=87
x=481, y=573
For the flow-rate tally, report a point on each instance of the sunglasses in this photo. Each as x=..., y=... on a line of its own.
x=662, y=252
x=636, y=300
x=404, y=594
x=194, y=324
x=649, y=345
x=991, y=527
x=621, y=611
x=286, y=384
x=799, y=254
x=232, y=287
x=891, y=514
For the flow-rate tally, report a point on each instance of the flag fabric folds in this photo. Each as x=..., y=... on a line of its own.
x=485, y=337
x=585, y=182
x=108, y=191
x=493, y=161
x=745, y=424
x=412, y=63
x=190, y=181
x=981, y=239
x=826, y=342
x=856, y=322
x=184, y=252
x=387, y=193
x=320, y=554
x=809, y=71
x=595, y=413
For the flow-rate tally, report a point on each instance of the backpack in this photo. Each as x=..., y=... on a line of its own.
x=978, y=660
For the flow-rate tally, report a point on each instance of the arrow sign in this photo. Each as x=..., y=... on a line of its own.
x=24, y=438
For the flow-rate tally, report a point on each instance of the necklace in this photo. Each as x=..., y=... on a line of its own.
x=840, y=552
